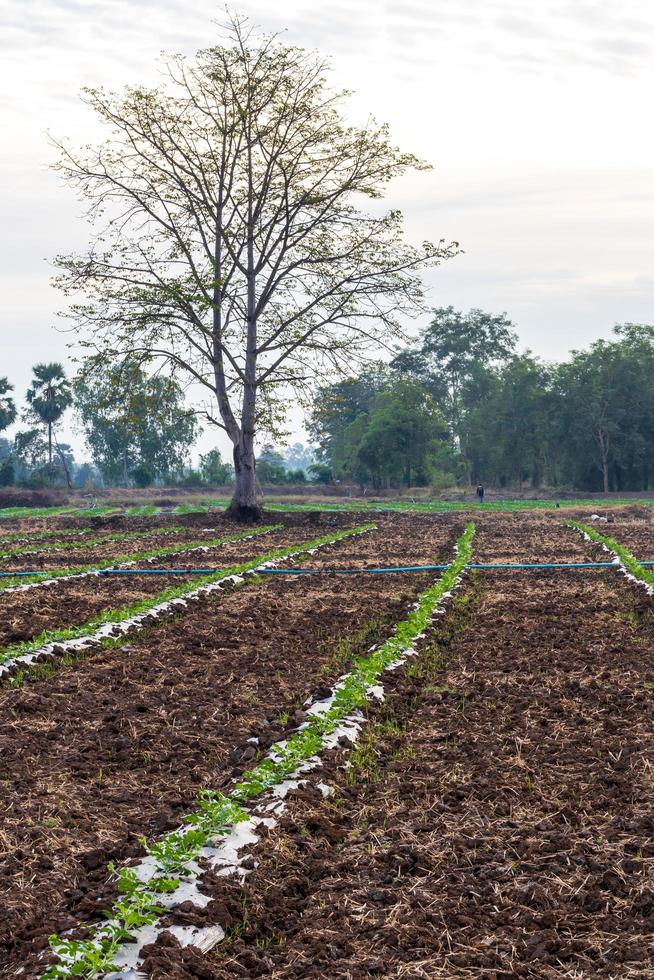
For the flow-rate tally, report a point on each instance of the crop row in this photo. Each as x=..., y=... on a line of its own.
x=148, y=891
x=117, y=622
x=49, y=577
x=73, y=540
x=628, y=560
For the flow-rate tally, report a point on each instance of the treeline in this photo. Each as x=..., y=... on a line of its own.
x=462, y=406
x=137, y=427
x=459, y=406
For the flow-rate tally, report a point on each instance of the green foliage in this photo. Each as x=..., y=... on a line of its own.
x=508, y=433
x=335, y=407
x=270, y=466
x=605, y=411
x=627, y=559
x=136, y=425
x=454, y=358
x=183, y=271
x=7, y=474
x=588, y=422
x=49, y=395
x=213, y=471
x=7, y=404
x=320, y=473
x=399, y=436
x=86, y=959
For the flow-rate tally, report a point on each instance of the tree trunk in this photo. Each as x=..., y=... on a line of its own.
x=605, y=475
x=244, y=501
x=244, y=505
x=64, y=464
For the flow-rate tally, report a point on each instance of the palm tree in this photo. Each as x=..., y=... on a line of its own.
x=7, y=405
x=49, y=396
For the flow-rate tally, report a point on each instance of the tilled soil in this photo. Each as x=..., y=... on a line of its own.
x=25, y=614
x=637, y=535
x=31, y=557
x=118, y=745
x=498, y=820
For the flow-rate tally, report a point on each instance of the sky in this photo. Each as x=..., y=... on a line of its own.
x=536, y=118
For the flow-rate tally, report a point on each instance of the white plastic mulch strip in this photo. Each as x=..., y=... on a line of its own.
x=615, y=560
x=226, y=857
x=115, y=629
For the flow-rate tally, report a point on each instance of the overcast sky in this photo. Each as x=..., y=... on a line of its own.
x=537, y=119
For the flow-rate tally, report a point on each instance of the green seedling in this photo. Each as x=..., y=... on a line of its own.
x=216, y=813
x=627, y=559
x=138, y=556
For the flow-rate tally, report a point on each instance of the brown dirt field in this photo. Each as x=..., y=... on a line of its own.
x=119, y=744
x=498, y=820
x=32, y=557
x=637, y=535
x=24, y=615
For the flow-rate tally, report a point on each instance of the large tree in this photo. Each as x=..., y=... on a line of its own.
x=336, y=406
x=398, y=438
x=453, y=358
x=508, y=433
x=231, y=243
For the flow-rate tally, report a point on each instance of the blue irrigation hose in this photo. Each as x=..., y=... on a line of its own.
x=331, y=571
x=429, y=568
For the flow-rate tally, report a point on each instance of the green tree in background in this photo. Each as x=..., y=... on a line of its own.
x=334, y=409
x=30, y=451
x=7, y=405
x=270, y=466
x=48, y=397
x=508, y=431
x=213, y=471
x=136, y=426
x=606, y=410
x=398, y=437
x=452, y=359
x=587, y=423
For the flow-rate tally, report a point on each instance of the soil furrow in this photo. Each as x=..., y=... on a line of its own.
x=69, y=602
x=498, y=819
x=119, y=745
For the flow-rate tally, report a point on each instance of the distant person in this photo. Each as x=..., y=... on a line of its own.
x=480, y=493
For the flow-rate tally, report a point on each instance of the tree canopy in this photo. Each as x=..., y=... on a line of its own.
x=231, y=243
x=510, y=419
x=135, y=425
x=7, y=404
